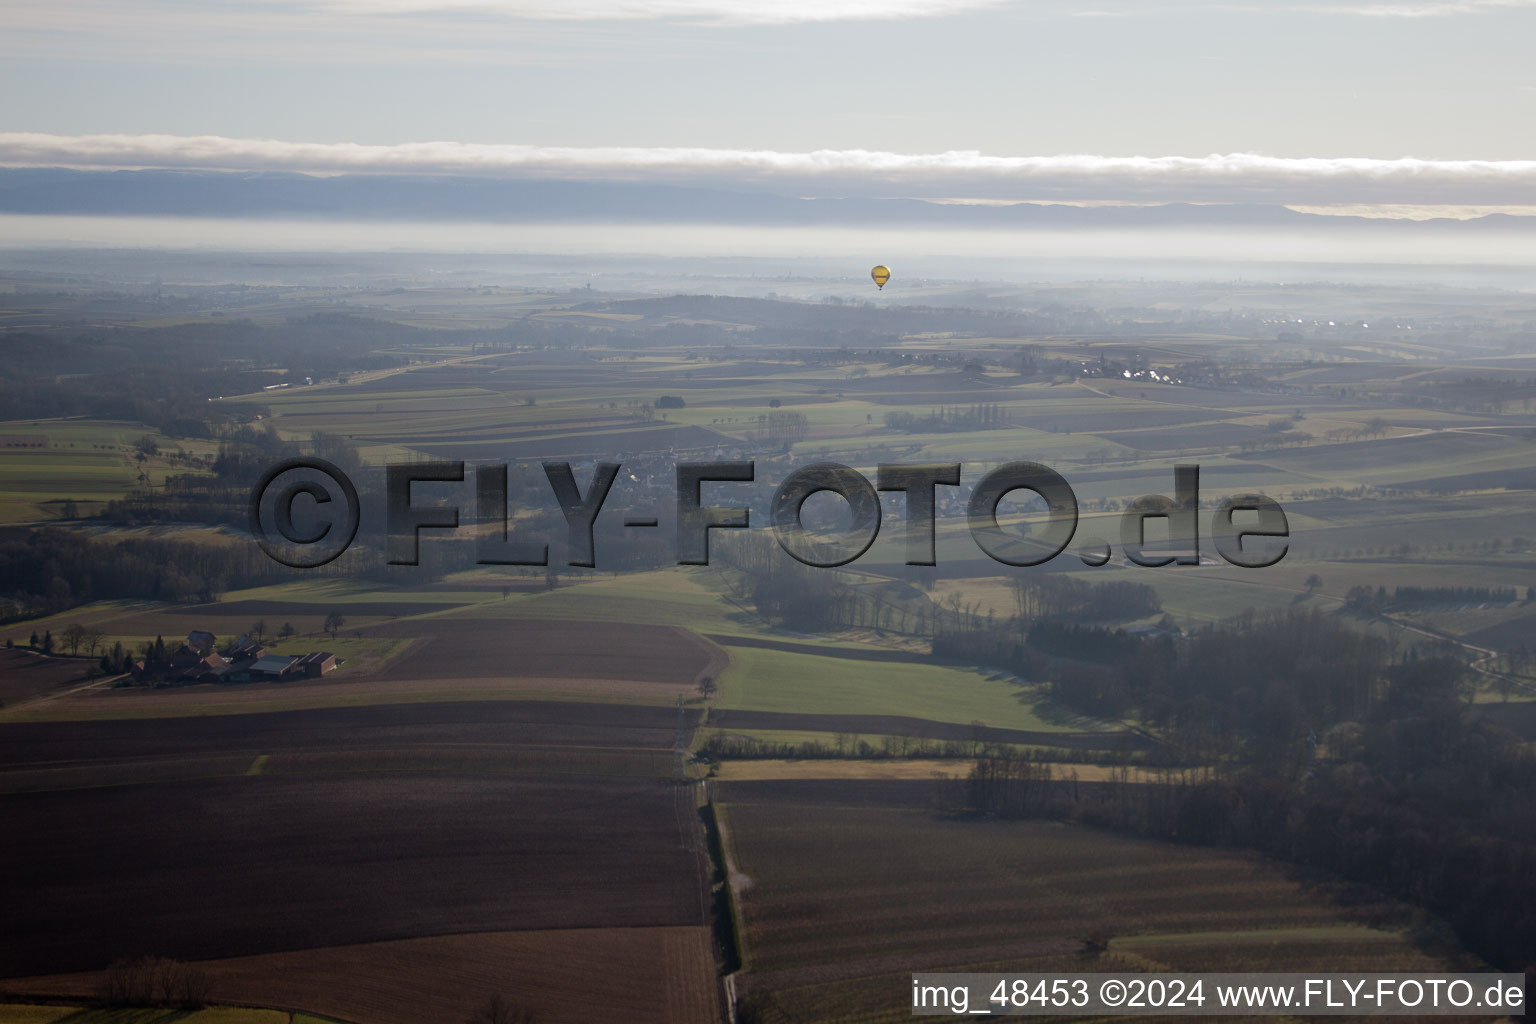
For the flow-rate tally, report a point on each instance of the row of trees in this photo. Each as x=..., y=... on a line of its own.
x=781, y=429
x=987, y=416
x=1059, y=596
x=154, y=981
x=48, y=570
x=334, y=621
x=1364, y=600
x=813, y=599
x=845, y=746
x=1254, y=688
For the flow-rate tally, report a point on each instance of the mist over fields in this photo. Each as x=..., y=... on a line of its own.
x=770, y=233
x=755, y=259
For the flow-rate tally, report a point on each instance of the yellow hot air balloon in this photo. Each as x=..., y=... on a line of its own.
x=880, y=275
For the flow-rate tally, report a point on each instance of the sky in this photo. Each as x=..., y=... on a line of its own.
x=1386, y=101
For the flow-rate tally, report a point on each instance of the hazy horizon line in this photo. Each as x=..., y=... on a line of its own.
x=1214, y=178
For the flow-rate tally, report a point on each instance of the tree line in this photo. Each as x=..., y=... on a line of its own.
x=1363, y=599
x=48, y=570
x=988, y=416
x=1410, y=795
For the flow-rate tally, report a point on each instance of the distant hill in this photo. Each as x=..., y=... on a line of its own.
x=416, y=198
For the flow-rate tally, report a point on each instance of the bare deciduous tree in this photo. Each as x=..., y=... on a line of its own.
x=154, y=981
x=74, y=635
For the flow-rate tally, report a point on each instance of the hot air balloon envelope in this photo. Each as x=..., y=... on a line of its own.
x=880, y=275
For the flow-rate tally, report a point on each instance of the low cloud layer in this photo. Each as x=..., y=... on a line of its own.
x=1236, y=177
x=85, y=16
x=1429, y=9
x=773, y=12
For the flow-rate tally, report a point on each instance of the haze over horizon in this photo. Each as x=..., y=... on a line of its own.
x=651, y=126
x=943, y=99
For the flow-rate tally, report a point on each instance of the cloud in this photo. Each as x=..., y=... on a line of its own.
x=500, y=32
x=1233, y=177
x=1408, y=9
x=767, y=12
x=544, y=32
x=1431, y=9
x=66, y=14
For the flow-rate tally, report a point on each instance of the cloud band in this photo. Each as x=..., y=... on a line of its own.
x=1235, y=177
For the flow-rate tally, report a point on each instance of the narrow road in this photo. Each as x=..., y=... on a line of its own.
x=33, y=702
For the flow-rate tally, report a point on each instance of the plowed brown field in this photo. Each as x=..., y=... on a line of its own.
x=573, y=976
x=231, y=867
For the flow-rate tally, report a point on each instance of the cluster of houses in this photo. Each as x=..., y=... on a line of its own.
x=244, y=661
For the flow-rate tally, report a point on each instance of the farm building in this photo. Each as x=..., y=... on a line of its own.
x=208, y=669
x=244, y=651
x=201, y=640
x=270, y=667
x=315, y=664
x=182, y=668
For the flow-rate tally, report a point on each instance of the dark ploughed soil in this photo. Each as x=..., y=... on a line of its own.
x=229, y=867
x=496, y=722
x=24, y=675
x=467, y=648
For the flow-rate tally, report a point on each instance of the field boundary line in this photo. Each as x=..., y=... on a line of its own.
x=732, y=874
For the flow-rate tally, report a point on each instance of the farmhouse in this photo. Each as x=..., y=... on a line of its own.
x=201, y=640
x=208, y=669
x=182, y=668
x=243, y=651
x=270, y=668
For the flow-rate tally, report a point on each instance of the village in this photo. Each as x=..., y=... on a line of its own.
x=244, y=660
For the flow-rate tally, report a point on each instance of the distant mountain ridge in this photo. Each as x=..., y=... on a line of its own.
x=426, y=198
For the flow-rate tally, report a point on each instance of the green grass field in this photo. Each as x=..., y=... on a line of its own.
x=767, y=680
x=87, y=461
